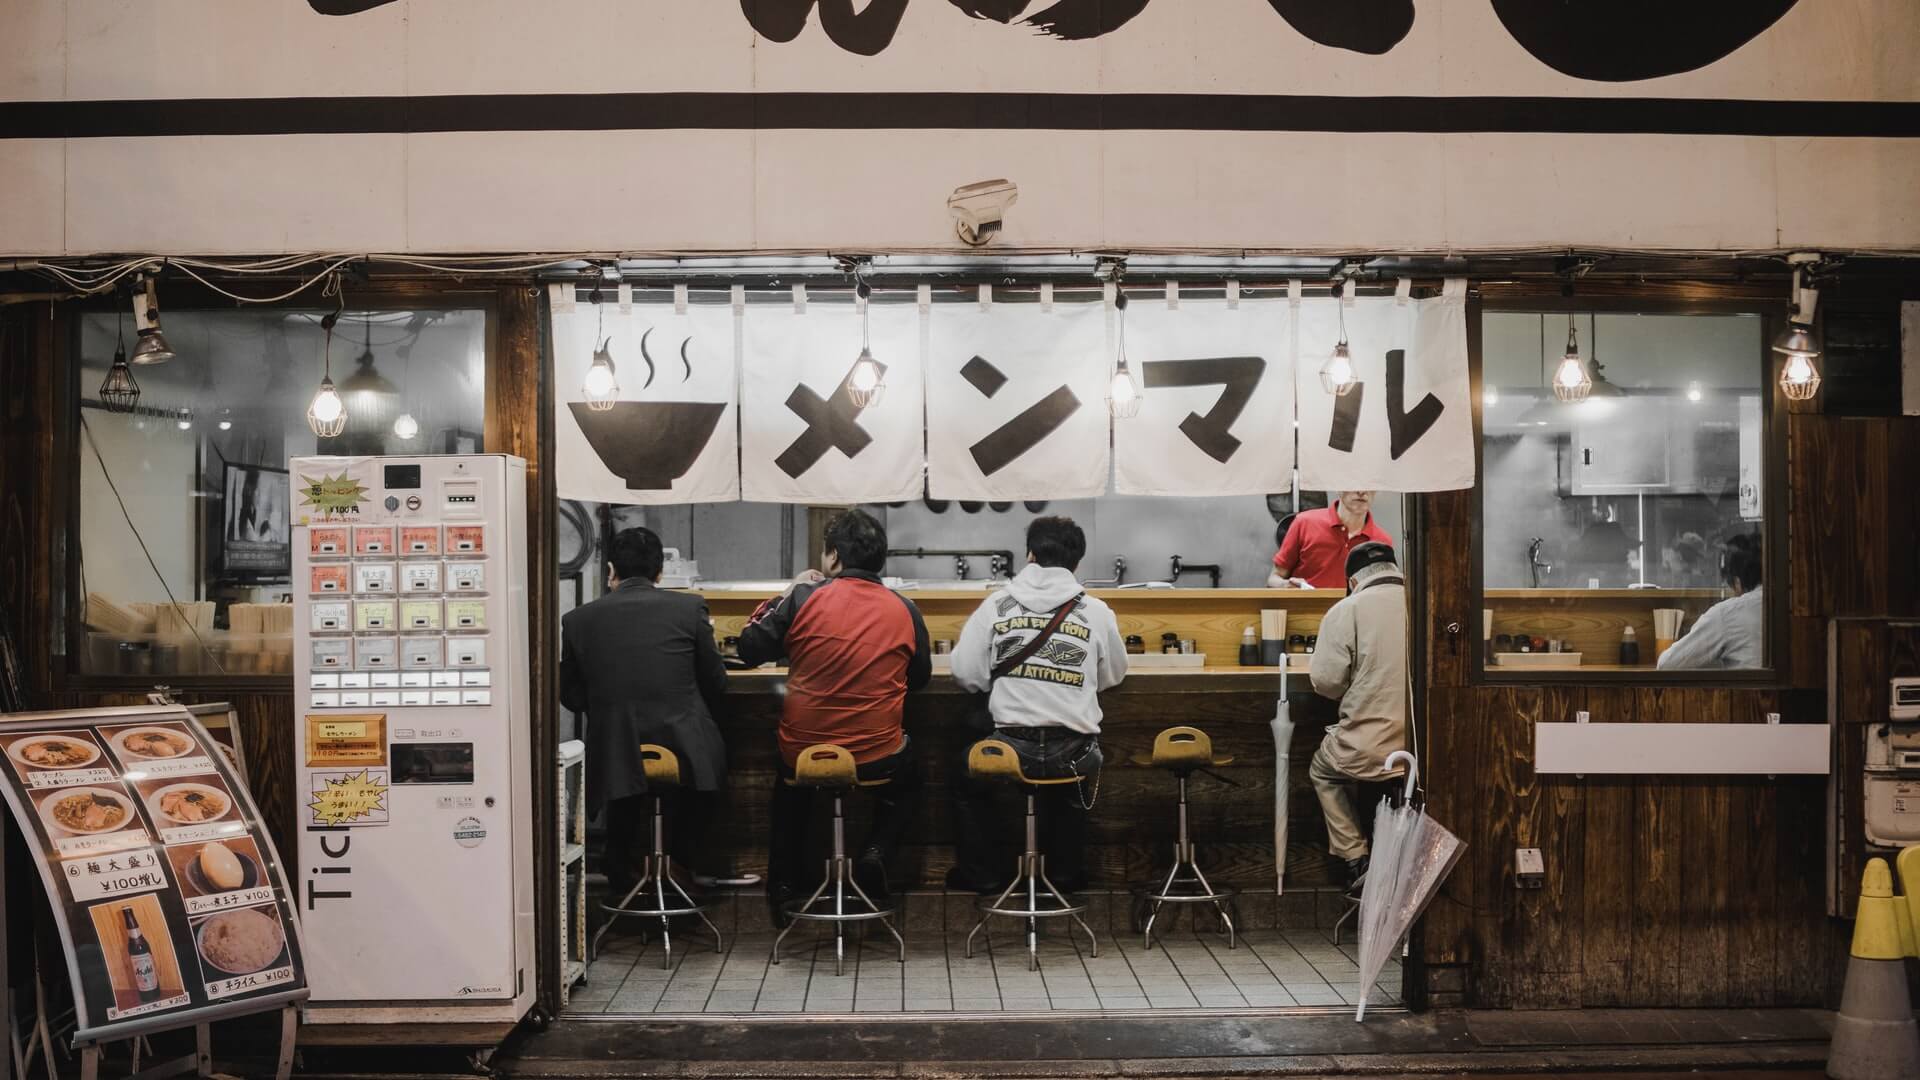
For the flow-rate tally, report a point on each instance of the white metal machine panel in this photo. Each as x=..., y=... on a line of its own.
x=1681, y=749
x=414, y=783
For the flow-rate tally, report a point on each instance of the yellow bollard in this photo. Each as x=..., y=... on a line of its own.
x=1874, y=1036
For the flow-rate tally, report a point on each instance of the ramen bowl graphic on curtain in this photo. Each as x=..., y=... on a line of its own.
x=649, y=444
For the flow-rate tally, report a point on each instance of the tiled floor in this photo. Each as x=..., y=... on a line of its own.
x=1270, y=968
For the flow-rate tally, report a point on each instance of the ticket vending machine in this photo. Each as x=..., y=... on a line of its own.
x=412, y=755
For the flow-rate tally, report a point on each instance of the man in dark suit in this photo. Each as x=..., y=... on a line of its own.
x=640, y=662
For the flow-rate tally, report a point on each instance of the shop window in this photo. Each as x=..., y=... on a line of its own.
x=1623, y=530
x=182, y=501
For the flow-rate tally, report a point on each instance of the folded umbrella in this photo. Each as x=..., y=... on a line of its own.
x=1282, y=743
x=1411, y=855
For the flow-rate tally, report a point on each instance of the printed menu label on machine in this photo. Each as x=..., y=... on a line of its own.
x=329, y=653
x=376, y=654
x=420, y=539
x=422, y=577
x=348, y=739
x=467, y=614
x=373, y=577
x=373, y=539
x=372, y=615
x=165, y=889
x=329, y=617
x=467, y=577
x=327, y=540
x=327, y=579
x=420, y=615
x=467, y=539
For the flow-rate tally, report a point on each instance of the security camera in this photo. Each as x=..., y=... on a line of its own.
x=979, y=209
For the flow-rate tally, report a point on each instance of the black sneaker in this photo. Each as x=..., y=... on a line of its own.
x=1357, y=874
x=870, y=873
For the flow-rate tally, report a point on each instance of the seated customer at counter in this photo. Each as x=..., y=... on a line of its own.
x=1041, y=649
x=1731, y=633
x=641, y=665
x=1362, y=661
x=853, y=649
x=1314, y=553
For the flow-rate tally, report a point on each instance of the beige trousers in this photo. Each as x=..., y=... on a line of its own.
x=1336, y=791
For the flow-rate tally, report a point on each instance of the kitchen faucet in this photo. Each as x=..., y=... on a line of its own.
x=1119, y=575
x=1210, y=569
x=1534, y=566
x=960, y=567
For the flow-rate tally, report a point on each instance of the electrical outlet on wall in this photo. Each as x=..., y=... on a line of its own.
x=1529, y=869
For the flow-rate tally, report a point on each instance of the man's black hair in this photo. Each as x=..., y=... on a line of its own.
x=1056, y=541
x=635, y=553
x=858, y=539
x=1743, y=562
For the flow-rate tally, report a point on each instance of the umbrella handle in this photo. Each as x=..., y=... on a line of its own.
x=1413, y=770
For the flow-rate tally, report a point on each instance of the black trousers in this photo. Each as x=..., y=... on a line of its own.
x=629, y=833
x=792, y=811
x=985, y=850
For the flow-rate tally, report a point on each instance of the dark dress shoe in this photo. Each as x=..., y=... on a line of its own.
x=778, y=896
x=1356, y=871
x=870, y=873
x=958, y=881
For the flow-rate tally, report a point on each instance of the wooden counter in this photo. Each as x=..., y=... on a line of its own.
x=1591, y=620
x=1196, y=680
x=1213, y=618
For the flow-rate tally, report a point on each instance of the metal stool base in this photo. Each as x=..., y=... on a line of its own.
x=1190, y=887
x=658, y=875
x=840, y=877
x=1030, y=875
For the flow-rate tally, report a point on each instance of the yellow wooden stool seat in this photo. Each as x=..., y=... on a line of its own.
x=659, y=765
x=994, y=759
x=1181, y=750
x=664, y=897
x=831, y=767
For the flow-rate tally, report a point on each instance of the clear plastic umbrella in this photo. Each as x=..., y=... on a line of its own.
x=1412, y=854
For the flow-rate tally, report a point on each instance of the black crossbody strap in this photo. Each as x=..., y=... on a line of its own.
x=1031, y=647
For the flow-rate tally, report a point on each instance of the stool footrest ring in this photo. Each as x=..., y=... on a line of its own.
x=614, y=912
x=794, y=910
x=1031, y=913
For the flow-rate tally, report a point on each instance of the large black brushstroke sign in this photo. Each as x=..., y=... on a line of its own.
x=1598, y=40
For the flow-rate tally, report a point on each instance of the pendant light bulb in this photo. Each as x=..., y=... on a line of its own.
x=118, y=391
x=226, y=420
x=1490, y=396
x=600, y=388
x=1799, y=379
x=1571, y=380
x=867, y=382
x=327, y=414
x=1694, y=392
x=1336, y=375
x=1123, y=397
x=405, y=426
x=184, y=420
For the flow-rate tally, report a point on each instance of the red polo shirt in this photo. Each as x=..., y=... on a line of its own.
x=1317, y=544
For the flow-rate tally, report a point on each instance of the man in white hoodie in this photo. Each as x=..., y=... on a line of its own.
x=1042, y=650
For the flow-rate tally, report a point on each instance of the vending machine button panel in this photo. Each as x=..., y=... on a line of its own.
x=318, y=681
x=446, y=697
x=446, y=678
x=329, y=617
x=476, y=678
x=420, y=577
x=416, y=678
x=373, y=577
x=354, y=699
x=387, y=679
x=385, y=698
x=324, y=701
x=413, y=697
x=476, y=697
x=373, y=539
x=354, y=680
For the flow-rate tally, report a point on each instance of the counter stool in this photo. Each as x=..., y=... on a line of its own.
x=1181, y=750
x=993, y=759
x=662, y=770
x=825, y=765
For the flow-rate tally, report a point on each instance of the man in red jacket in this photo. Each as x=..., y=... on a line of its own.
x=853, y=649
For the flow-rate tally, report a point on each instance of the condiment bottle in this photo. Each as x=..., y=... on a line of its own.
x=1169, y=642
x=1629, y=646
x=1136, y=644
x=1249, y=648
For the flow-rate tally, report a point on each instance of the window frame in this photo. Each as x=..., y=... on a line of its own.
x=1778, y=671
x=67, y=597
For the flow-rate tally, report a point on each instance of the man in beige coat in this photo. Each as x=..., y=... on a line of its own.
x=1361, y=659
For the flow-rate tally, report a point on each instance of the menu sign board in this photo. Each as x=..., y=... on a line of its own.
x=170, y=901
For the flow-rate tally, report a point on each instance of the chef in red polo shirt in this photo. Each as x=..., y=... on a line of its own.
x=1314, y=553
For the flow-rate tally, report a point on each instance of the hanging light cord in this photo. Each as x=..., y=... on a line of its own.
x=87, y=430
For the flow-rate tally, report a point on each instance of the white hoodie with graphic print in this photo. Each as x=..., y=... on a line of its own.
x=1056, y=686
